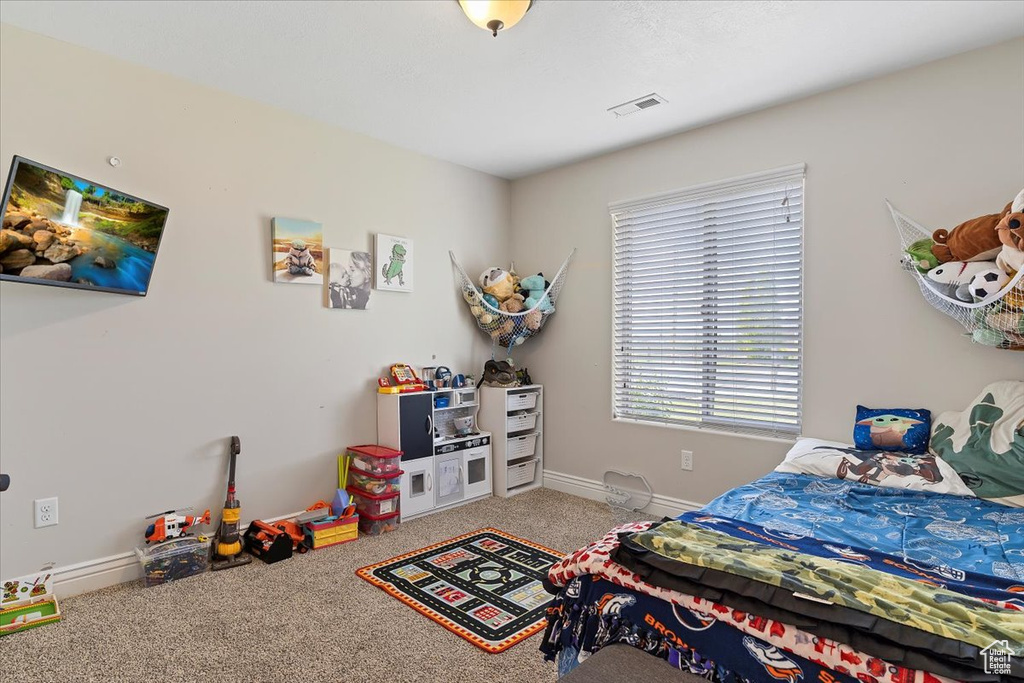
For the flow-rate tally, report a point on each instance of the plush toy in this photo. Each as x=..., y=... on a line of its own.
x=497, y=282
x=1011, y=235
x=953, y=279
x=533, y=289
x=973, y=240
x=986, y=283
x=920, y=253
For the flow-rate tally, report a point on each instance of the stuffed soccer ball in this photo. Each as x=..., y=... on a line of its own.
x=987, y=282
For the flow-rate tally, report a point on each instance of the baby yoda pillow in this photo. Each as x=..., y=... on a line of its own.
x=985, y=443
x=892, y=429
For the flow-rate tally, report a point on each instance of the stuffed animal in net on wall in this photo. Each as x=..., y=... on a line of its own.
x=987, y=283
x=920, y=254
x=973, y=240
x=1011, y=235
x=498, y=283
x=533, y=289
x=953, y=279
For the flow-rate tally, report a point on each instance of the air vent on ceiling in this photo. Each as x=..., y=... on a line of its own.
x=639, y=104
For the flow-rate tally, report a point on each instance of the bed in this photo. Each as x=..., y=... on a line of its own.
x=842, y=565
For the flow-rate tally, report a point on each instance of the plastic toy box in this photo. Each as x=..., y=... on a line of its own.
x=375, y=484
x=174, y=559
x=373, y=525
x=370, y=504
x=333, y=532
x=375, y=460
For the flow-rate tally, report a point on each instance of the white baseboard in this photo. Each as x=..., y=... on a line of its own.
x=91, y=575
x=663, y=506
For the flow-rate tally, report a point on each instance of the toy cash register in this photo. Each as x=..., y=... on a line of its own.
x=402, y=379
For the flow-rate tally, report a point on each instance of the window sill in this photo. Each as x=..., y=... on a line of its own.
x=706, y=430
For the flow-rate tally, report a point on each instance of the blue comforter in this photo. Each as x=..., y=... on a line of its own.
x=965, y=544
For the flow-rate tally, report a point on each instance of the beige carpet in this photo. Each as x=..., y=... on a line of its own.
x=309, y=618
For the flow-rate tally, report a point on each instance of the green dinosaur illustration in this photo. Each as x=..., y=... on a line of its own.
x=393, y=268
x=988, y=473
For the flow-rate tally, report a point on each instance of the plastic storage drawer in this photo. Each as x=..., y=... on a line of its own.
x=375, y=460
x=378, y=506
x=524, y=401
x=521, y=422
x=523, y=473
x=372, y=525
x=375, y=484
x=174, y=559
x=521, y=446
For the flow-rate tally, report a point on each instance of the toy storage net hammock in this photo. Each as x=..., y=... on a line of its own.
x=995, y=314
x=509, y=324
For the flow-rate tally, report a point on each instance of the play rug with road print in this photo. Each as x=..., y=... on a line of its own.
x=486, y=585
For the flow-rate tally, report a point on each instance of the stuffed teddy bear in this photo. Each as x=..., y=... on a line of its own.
x=973, y=240
x=533, y=290
x=497, y=282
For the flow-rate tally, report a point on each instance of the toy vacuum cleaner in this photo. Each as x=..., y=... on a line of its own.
x=228, y=551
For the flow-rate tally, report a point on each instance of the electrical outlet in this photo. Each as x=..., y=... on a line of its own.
x=687, y=461
x=46, y=512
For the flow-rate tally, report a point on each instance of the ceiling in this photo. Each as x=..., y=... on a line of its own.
x=419, y=75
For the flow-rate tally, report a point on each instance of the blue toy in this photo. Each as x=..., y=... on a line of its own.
x=533, y=288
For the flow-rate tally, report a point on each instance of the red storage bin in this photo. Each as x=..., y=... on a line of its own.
x=370, y=504
x=375, y=460
x=372, y=525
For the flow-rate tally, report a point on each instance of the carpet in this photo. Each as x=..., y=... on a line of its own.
x=484, y=586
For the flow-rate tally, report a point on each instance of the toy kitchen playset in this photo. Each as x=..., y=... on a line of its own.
x=446, y=460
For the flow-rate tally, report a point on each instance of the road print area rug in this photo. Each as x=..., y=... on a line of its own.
x=484, y=586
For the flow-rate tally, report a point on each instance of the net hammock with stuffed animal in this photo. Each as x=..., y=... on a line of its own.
x=994, y=315
x=522, y=315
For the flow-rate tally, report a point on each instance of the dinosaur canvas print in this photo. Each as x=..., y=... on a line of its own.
x=393, y=265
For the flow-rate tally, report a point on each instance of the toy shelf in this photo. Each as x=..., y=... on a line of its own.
x=515, y=417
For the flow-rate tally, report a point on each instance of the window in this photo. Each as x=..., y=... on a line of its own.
x=708, y=306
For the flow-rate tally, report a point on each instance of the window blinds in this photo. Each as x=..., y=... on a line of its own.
x=708, y=306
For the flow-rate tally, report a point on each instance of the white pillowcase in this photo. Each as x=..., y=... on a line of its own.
x=877, y=468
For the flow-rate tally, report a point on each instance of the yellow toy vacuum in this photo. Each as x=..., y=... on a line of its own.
x=228, y=550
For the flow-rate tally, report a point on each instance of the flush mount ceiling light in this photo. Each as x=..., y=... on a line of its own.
x=495, y=15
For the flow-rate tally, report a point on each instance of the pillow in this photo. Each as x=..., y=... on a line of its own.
x=985, y=443
x=878, y=468
x=892, y=429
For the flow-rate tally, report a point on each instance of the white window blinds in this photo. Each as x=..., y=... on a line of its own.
x=708, y=306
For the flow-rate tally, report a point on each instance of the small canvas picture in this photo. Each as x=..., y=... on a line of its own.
x=298, y=251
x=393, y=267
x=349, y=278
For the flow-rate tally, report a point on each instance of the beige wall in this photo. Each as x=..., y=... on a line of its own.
x=122, y=406
x=943, y=142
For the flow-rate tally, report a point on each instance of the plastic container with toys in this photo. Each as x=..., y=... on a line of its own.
x=370, y=504
x=375, y=460
x=174, y=559
x=375, y=484
x=373, y=525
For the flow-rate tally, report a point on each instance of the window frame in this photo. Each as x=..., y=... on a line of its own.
x=795, y=173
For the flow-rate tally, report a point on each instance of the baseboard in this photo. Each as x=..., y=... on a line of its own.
x=661, y=506
x=91, y=575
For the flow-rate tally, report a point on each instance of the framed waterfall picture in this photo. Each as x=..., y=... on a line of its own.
x=393, y=265
x=62, y=230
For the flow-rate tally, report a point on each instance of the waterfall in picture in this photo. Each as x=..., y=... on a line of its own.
x=72, y=205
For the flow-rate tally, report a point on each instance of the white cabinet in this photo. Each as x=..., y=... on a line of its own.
x=446, y=459
x=515, y=418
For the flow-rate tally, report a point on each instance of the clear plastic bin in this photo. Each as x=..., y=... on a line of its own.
x=174, y=559
x=375, y=484
x=369, y=504
x=372, y=525
x=375, y=460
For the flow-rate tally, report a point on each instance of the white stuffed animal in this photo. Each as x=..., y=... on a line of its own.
x=953, y=278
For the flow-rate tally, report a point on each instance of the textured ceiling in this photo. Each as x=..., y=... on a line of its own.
x=419, y=75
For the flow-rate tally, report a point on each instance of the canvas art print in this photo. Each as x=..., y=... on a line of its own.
x=393, y=267
x=298, y=251
x=349, y=278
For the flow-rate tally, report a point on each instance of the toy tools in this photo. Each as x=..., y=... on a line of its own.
x=227, y=552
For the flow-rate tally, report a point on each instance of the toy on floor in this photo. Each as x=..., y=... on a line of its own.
x=28, y=602
x=268, y=543
x=228, y=549
x=172, y=525
x=174, y=559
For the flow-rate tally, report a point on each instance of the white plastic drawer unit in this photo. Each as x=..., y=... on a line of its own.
x=521, y=422
x=526, y=400
x=521, y=446
x=520, y=474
